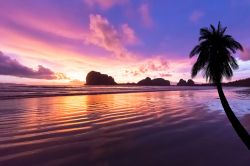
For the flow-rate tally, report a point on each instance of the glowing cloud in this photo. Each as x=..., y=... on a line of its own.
x=104, y=35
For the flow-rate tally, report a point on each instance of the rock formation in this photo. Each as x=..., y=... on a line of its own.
x=190, y=82
x=155, y=82
x=184, y=83
x=96, y=78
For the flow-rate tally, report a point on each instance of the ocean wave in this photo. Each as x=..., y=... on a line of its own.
x=24, y=91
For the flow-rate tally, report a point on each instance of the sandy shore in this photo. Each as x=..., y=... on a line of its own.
x=154, y=128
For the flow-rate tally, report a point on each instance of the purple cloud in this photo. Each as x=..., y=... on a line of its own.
x=105, y=4
x=144, y=12
x=12, y=67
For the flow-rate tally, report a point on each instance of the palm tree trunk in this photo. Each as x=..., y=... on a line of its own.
x=240, y=130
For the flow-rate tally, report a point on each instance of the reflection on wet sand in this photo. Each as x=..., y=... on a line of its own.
x=153, y=128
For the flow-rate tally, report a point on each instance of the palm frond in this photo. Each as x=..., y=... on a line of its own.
x=233, y=63
x=195, y=69
x=213, y=29
x=194, y=51
x=204, y=33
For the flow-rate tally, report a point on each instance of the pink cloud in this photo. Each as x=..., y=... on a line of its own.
x=105, y=4
x=144, y=12
x=129, y=34
x=151, y=67
x=196, y=16
x=44, y=22
x=245, y=56
x=157, y=65
x=104, y=35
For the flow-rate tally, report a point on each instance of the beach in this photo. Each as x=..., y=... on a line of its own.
x=185, y=126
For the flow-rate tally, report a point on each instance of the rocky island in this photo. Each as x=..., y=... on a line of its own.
x=154, y=82
x=96, y=78
x=185, y=83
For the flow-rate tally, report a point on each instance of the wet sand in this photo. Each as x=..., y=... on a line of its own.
x=148, y=128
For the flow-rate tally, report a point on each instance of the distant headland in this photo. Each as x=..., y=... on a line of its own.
x=154, y=82
x=97, y=78
x=240, y=83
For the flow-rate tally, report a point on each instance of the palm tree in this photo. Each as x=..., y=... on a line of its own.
x=215, y=59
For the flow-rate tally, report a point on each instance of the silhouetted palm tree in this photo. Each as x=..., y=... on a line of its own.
x=215, y=58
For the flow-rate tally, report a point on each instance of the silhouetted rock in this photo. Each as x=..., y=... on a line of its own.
x=190, y=82
x=161, y=82
x=242, y=82
x=96, y=78
x=155, y=82
x=147, y=81
x=182, y=83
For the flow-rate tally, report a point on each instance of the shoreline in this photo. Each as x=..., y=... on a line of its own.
x=176, y=88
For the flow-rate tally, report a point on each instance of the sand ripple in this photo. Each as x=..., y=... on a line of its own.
x=111, y=129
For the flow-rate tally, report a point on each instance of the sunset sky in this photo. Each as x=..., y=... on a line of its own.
x=60, y=41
